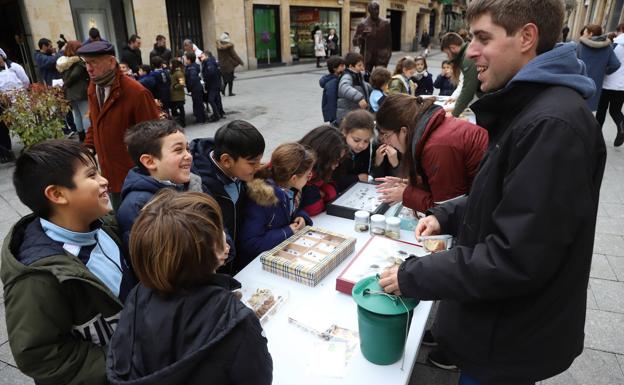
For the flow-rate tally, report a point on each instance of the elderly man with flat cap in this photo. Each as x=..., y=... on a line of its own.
x=116, y=103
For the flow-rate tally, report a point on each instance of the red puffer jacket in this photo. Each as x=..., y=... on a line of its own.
x=449, y=152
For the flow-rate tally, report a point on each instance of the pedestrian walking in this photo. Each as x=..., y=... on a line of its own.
x=596, y=51
x=75, y=85
x=332, y=42
x=178, y=84
x=425, y=43
x=228, y=61
x=612, y=96
x=319, y=46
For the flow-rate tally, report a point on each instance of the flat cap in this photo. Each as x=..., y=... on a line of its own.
x=96, y=48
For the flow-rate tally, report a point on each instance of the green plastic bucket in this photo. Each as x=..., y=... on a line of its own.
x=383, y=322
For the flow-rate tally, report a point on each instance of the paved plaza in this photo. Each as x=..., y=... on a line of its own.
x=284, y=103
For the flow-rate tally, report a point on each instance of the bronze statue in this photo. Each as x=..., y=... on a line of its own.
x=374, y=37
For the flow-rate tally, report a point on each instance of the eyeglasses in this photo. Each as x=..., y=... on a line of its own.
x=384, y=136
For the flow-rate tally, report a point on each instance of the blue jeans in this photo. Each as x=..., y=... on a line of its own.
x=81, y=118
x=464, y=379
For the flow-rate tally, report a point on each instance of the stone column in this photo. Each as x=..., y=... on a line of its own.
x=285, y=31
x=49, y=18
x=151, y=19
x=345, y=36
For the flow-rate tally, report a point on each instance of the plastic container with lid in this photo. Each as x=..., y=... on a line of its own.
x=361, y=221
x=378, y=224
x=393, y=227
x=383, y=321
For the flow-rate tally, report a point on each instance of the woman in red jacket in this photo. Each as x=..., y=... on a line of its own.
x=442, y=153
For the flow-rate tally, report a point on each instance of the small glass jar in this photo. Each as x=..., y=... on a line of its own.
x=393, y=227
x=361, y=221
x=378, y=224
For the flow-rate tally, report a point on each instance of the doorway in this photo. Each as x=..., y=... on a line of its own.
x=267, y=34
x=432, y=23
x=13, y=37
x=184, y=21
x=395, y=18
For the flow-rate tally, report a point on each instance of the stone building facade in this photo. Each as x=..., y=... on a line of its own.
x=265, y=32
x=606, y=13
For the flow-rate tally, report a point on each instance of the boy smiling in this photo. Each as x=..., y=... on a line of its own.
x=63, y=271
x=160, y=152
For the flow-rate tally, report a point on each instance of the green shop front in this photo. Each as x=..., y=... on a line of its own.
x=267, y=34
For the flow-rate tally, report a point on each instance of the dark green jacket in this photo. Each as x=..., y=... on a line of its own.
x=177, y=88
x=59, y=315
x=76, y=82
x=471, y=81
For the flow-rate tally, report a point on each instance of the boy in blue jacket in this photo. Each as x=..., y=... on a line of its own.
x=225, y=165
x=160, y=153
x=329, y=84
x=194, y=86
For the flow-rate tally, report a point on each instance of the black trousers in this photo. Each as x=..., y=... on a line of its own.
x=5, y=136
x=214, y=98
x=198, y=106
x=177, y=111
x=613, y=101
x=228, y=81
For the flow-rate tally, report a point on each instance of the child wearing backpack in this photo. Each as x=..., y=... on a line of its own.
x=193, y=85
x=162, y=87
x=178, y=83
x=329, y=84
x=212, y=84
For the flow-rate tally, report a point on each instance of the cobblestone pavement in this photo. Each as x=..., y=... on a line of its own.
x=284, y=103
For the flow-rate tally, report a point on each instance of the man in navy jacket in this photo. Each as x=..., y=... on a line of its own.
x=513, y=290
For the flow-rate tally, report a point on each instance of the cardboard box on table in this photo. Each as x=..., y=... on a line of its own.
x=309, y=255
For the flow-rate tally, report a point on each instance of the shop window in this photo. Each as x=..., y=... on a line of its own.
x=303, y=20
x=266, y=34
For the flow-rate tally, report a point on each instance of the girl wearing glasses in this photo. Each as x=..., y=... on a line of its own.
x=441, y=153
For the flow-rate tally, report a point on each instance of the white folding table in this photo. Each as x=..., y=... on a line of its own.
x=290, y=346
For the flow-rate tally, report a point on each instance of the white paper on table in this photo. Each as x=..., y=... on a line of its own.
x=57, y=83
x=327, y=359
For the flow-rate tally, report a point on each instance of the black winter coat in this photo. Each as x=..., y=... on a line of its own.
x=205, y=336
x=213, y=183
x=514, y=288
x=132, y=57
x=351, y=166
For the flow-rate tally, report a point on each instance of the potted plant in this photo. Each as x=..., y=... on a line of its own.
x=35, y=114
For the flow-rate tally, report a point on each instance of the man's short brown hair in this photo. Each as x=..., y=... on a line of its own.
x=175, y=239
x=512, y=15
